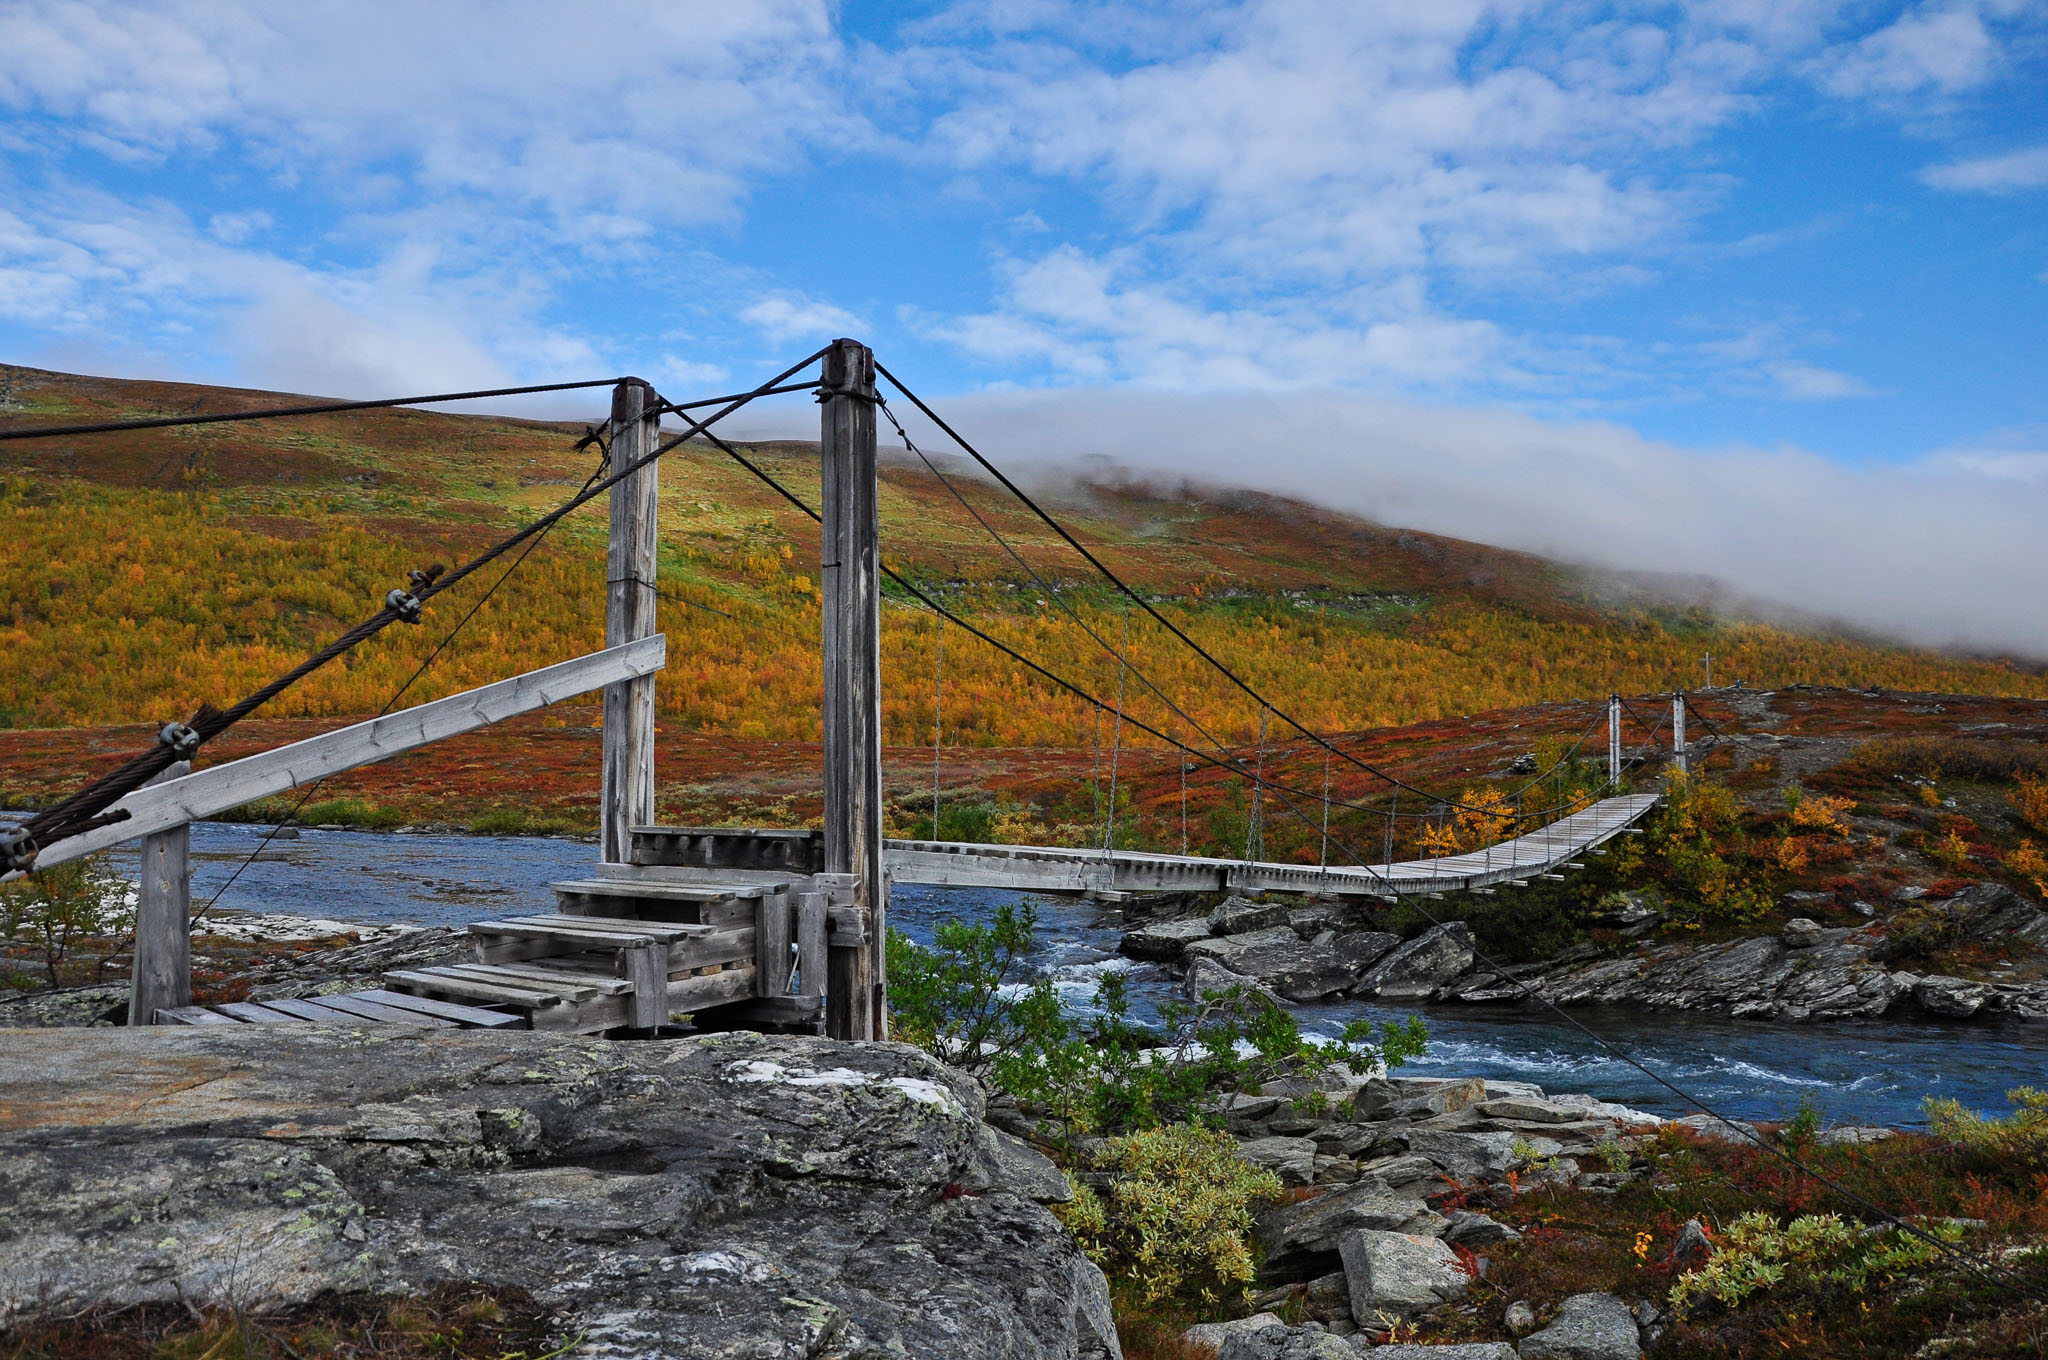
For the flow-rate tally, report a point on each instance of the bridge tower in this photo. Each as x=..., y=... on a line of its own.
x=855, y=988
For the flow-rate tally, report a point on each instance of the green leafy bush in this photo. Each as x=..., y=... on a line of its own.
x=1173, y=1223
x=1756, y=1254
x=53, y=910
x=965, y=1000
x=2020, y=1138
x=1698, y=843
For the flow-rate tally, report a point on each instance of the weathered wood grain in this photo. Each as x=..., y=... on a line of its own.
x=627, y=794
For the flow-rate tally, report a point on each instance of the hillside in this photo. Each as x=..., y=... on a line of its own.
x=148, y=572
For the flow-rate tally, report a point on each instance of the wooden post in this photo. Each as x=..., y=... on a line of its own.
x=627, y=797
x=774, y=932
x=811, y=909
x=161, y=975
x=1614, y=739
x=855, y=999
x=1678, y=729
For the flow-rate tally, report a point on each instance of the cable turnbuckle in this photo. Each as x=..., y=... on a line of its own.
x=182, y=740
x=17, y=849
x=403, y=604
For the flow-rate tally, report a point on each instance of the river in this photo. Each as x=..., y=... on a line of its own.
x=1856, y=1074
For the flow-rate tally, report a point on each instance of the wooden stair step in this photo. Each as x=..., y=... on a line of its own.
x=663, y=891
x=446, y=980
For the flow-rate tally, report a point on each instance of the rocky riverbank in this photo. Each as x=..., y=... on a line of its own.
x=728, y=1195
x=1803, y=972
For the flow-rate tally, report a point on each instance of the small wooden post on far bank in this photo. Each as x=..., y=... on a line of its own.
x=161, y=977
x=856, y=1004
x=627, y=796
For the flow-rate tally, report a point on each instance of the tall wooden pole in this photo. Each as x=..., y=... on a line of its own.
x=627, y=798
x=161, y=976
x=855, y=994
x=1614, y=739
x=1678, y=729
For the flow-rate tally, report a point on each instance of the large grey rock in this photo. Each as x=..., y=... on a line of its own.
x=688, y=1197
x=1293, y=1160
x=1422, y=965
x=1241, y=916
x=1468, y=1156
x=1398, y=1274
x=1955, y=997
x=1529, y=1111
x=1281, y=1342
x=1832, y=978
x=1206, y=976
x=1994, y=912
x=1721, y=1130
x=1587, y=1327
x=1300, y=1240
x=1163, y=941
x=1300, y=970
x=1462, y=1350
x=1216, y=1333
x=1801, y=932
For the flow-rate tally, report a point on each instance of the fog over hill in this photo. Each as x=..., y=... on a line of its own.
x=1947, y=552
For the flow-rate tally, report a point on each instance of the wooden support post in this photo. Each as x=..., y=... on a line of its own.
x=1678, y=729
x=1614, y=739
x=811, y=910
x=646, y=967
x=160, y=978
x=774, y=932
x=627, y=798
x=855, y=1001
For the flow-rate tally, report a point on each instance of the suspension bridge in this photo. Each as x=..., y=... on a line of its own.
x=730, y=926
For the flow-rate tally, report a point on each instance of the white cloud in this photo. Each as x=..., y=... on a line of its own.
x=785, y=318
x=1943, y=48
x=1799, y=381
x=2009, y=173
x=1942, y=552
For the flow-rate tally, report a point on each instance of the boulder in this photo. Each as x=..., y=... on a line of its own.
x=1399, y=1274
x=1951, y=996
x=1216, y=1333
x=1361, y=949
x=1627, y=911
x=1835, y=978
x=1528, y=1111
x=1692, y=1246
x=1419, y=967
x=1721, y=1130
x=685, y=1196
x=1520, y=1318
x=1300, y=1240
x=1853, y=1133
x=1206, y=975
x=1992, y=912
x=1461, y=1350
x=1420, y=1097
x=1293, y=1160
x=1003, y=1160
x=1467, y=1156
x=1282, y=961
x=1309, y=922
x=1241, y=916
x=1163, y=941
x=1281, y=1342
x=1801, y=932
x=1468, y=1229
x=1587, y=1327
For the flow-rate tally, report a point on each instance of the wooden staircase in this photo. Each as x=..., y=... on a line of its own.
x=646, y=942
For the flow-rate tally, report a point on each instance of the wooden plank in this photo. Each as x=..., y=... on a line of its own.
x=711, y=989
x=469, y=1017
x=621, y=925
x=328, y=1011
x=191, y=1015
x=626, y=795
x=255, y=1014
x=673, y=892
x=542, y=982
x=645, y=970
x=160, y=978
x=811, y=912
x=218, y=788
x=349, y=1004
x=774, y=937
x=440, y=982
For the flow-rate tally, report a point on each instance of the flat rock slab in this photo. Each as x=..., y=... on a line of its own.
x=1399, y=1274
x=1293, y=1160
x=1300, y=1240
x=1165, y=941
x=1463, y=1350
x=1587, y=1327
x=1281, y=1342
x=1419, y=967
x=720, y=1196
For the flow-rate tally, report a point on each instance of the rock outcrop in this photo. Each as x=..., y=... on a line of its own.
x=724, y=1195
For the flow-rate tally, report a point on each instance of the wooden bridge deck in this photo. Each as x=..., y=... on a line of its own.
x=1027, y=867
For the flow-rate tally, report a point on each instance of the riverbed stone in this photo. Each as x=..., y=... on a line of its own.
x=1399, y=1274
x=1293, y=1160
x=1241, y=916
x=1587, y=1327
x=1957, y=998
x=1206, y=975
x=1419, y=967
x=1278, y=1341
x=1300, y=1240
x=1300, y=970
x=685, y=1196
x=1163, y=941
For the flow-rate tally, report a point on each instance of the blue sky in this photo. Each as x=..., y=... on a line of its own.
x=1781, y=260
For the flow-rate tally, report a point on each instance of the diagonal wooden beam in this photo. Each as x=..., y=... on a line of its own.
x=219, y=788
